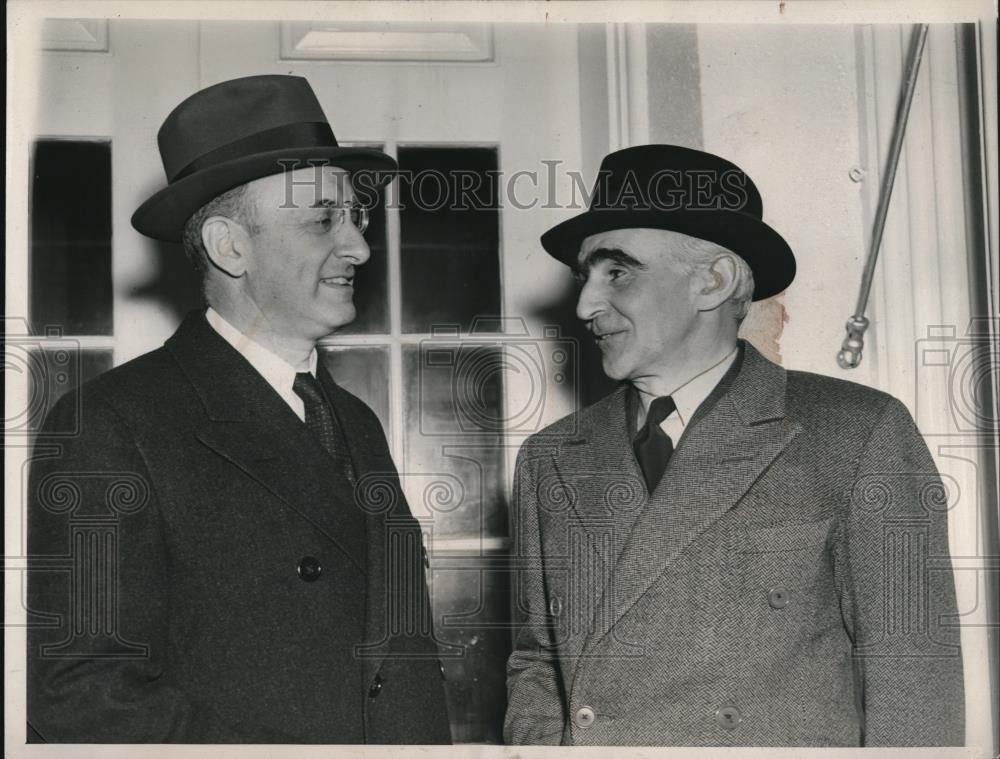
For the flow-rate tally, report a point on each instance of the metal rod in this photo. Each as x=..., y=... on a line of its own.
x=849, y=356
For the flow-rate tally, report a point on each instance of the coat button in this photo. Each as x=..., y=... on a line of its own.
x=585, y=717
x=427, y=558
x=376, y=687
x=555, y=606
x=728, y=717
x=778, y=597
x=309, y=568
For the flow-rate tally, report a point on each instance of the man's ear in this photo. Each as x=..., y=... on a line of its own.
x=718, y=282
x=227, y=244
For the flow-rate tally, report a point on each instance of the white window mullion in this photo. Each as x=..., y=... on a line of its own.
x=393, y=246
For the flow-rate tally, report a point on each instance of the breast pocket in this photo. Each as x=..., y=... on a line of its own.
x=779, y=566
x=789, y=536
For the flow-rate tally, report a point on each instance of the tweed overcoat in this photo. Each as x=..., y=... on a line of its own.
x=190, y=575
x=787, y=583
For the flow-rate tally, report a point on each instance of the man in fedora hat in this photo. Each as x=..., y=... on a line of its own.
x=721, y=552
x=224, y=551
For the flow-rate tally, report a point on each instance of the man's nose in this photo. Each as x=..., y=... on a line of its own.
x=590, y=303
x=353, y=245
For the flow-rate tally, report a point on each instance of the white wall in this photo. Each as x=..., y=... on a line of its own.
x=781, y=102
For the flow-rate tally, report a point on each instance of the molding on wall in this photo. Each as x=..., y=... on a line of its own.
x=373, y=41
x=592, y=43
x=628, y=90
x=75, y=35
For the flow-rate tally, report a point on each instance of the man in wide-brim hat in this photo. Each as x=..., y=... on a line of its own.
x=721, y=552
x=244, y=584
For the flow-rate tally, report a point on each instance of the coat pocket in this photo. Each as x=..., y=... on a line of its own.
x=794, y=536
x=773, y=567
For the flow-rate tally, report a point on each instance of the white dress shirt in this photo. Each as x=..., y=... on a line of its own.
x=687, y=398
x=279, y=373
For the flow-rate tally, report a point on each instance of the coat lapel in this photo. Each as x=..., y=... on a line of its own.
x=598, y=476
x=598, y=470
x=251, y=427
x=379, y=498
x=722, y=453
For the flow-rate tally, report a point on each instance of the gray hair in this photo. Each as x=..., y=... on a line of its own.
x=699, y=254
x=235, y=204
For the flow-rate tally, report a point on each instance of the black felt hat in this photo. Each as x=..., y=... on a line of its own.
x=237, y=131
x=681, y=190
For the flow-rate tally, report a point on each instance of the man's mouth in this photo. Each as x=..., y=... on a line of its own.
x=338, y=281
x=603, y=337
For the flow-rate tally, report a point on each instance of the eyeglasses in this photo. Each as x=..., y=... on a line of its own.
x=358, y=214
x=335, y=214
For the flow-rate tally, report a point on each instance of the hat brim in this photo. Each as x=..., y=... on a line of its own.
x=767, y=254
x=164, y=215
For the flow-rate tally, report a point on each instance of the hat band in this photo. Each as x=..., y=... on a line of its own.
x=309, y=134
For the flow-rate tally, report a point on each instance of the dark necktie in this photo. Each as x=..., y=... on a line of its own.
x=652, y=445
x=319, y=415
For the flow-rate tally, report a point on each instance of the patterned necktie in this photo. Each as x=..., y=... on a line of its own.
x=652, y=445
x=319, y=415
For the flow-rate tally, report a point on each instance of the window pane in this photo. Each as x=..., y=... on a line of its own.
x=70, y=266
x=453, y=470
x=450, y=227
x=53, y=372
x=365, y=373
x=472, y=611
x=371, y=280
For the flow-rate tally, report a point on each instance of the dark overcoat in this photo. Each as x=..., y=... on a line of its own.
x=787, y=583
x=200, y=572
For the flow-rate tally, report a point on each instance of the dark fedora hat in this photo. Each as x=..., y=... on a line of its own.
x=681, y=190
x=237, y=131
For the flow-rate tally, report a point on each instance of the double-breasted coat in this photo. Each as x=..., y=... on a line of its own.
x=787, y=583
x=200, y=571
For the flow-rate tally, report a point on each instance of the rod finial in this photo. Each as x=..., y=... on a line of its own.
x=849, y=356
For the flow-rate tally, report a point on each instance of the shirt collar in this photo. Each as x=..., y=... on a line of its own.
x=693, y=392
x=278, y=372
